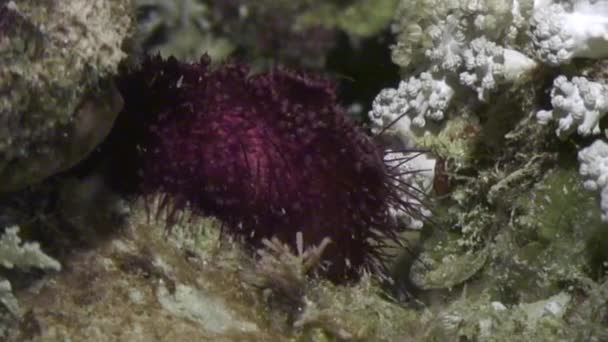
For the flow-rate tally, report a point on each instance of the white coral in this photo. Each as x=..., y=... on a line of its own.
x=417, y=170
x=562, y=32
x=448, y=43
x=437, y=30
x=594, y=168
x=488, y=64
x=389, y=108
x=578, y=105
x=474, y=44
x=415, y=101
x=428, y=97
x=14, y=253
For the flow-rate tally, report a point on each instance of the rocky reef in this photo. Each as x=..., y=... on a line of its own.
x=491, y=113
x=58, y=100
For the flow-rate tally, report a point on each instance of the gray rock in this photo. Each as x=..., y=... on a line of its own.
x=57, y=101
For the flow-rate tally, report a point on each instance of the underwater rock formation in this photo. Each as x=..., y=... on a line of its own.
x=515, y=220
x=504, y=102
x=57, y=100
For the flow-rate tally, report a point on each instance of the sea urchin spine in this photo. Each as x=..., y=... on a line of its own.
x=270, y=155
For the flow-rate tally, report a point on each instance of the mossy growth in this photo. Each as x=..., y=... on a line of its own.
x=453, y=140
x=566, y=220
x=564, y=316
x=544, y=247
x=517, y=224
x=316, y=311
x=360, y=313
x=481, y=319
x=180, y=28
x=358, y=18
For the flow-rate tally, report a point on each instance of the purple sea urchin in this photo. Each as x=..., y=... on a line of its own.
x=270, y=155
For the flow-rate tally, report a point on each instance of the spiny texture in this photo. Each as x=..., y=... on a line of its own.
x=270, y=155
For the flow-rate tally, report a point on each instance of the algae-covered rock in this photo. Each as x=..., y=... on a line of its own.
x=485, y=320
x=358, y=313
x=144, y=284
x=57, y=101
x=548, y=243
x=298, y=32
x=188, y=282
x=16, y=254
x=453, y=269
x=358, y=18
x=180, y=28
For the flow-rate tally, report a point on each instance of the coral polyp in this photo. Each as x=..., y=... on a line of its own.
x=270, y=155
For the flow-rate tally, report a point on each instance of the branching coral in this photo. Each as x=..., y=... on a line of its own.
x=565, y=30
x=440, y=29
x=448, y=48
x=15, y=254
x=594, y=168
x=578, y=105
x=487, y=65
x=484, y=43
x=498, y=60
x=556, y=30
x=462, y=45
x=415, y=101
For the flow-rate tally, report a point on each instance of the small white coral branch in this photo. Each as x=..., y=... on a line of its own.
x=577, y=105
x=428, y=97
x=418, y=170
x=594, y=168
x=448, y=43
x=487, y=65
x=389, y=108
x=412, y=103
x=14, y=253
x=561, y=32
x=7, y=299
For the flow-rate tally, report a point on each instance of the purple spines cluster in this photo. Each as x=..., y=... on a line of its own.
x=269, y=155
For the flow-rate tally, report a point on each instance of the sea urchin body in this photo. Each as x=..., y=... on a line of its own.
x=270, y=155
